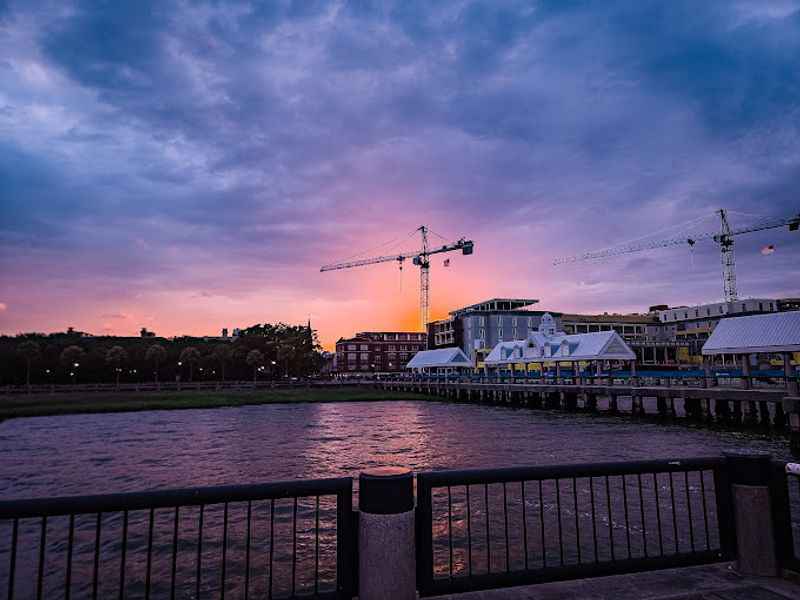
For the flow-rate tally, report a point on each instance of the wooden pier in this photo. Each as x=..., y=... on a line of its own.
x=734, y=406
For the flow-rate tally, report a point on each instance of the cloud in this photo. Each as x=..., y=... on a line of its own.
x=115, y=316
x=210, y=151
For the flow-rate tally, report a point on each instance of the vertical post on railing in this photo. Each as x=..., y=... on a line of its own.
x=781, y=509
x=791, y=406
x=345, y=540
x=750, y=476
x=791, y=385
x=747, y=382
x=386, y=557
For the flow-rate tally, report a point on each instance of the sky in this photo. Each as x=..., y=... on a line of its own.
x=186, y=165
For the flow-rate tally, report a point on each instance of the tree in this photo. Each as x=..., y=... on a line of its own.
x=222, y=354
x=71, y=358
x=285, y=352
x=115, y=357
x=255, y=358
x=30, y=350
x=156, y=354
x=191, y=356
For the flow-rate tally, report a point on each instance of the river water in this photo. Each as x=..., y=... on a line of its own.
x=87, y=454
x=95, y=454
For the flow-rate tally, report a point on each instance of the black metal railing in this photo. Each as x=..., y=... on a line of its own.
x=491, y=528
x=256, y=541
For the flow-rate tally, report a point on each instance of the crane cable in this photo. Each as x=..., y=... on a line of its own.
x=684, y=226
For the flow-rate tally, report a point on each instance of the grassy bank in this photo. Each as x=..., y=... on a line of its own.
x=100, y=402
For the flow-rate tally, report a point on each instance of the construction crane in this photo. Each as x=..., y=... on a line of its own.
x=724, y=238
x=420, y=258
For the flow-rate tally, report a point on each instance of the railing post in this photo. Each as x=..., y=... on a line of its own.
x=791, y=406
x=344, y=543
x=750, y=476
x=781, y=510
x=386, y=556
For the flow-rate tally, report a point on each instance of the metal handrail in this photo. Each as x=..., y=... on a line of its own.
x=77, y=505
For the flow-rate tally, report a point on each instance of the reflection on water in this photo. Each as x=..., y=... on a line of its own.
x=83, y=454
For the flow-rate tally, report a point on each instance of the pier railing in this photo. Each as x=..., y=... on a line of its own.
x=490, y=528
x=730, y=378
x=475, y=529
x=258, y=541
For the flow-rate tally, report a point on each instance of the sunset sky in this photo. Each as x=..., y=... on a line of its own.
x=186, y=166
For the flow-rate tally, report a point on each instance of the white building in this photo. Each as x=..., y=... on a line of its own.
x=547, y=345
x=441, y=360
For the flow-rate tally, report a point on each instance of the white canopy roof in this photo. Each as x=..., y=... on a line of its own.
x=772, y=332
x=549, y=345
x=441, y=357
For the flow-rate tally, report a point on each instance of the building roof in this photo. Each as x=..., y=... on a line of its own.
x=497, y=304
x=771, y=332
x=441, y=357
x=549, y=345
x=611, y=318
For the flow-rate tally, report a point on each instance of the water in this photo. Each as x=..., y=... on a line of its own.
x=87, y=454
x=94, y=454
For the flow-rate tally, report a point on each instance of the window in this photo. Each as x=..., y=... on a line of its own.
x=364, y=356
x=760, y=307
x=403, y=347
x=351, y=357
x=351, y=346
x=365, y=346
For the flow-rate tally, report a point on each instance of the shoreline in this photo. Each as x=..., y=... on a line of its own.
x=41, y=405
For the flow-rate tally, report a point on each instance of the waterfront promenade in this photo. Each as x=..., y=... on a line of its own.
x=708, y=582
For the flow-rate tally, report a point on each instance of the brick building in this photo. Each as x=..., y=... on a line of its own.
x=378, y=351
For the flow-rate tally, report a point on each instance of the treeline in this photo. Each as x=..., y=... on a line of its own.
x=269, y=351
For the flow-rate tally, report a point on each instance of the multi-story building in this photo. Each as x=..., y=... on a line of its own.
x=785, y=304
x=663, y=336
x=378, y=351
x=477, y=328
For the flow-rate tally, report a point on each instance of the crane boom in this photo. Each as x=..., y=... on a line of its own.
x=393, y=257
x=724, y=238
x=420, y=258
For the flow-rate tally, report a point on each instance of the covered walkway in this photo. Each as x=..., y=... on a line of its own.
x=745, y=338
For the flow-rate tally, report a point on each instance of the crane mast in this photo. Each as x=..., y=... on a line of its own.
x=420, y=258
x=725, y=241
x=724, y=238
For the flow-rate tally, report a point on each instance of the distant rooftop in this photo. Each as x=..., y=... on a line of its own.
x=771, y=332
x=609, y=318
x=496, y=305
